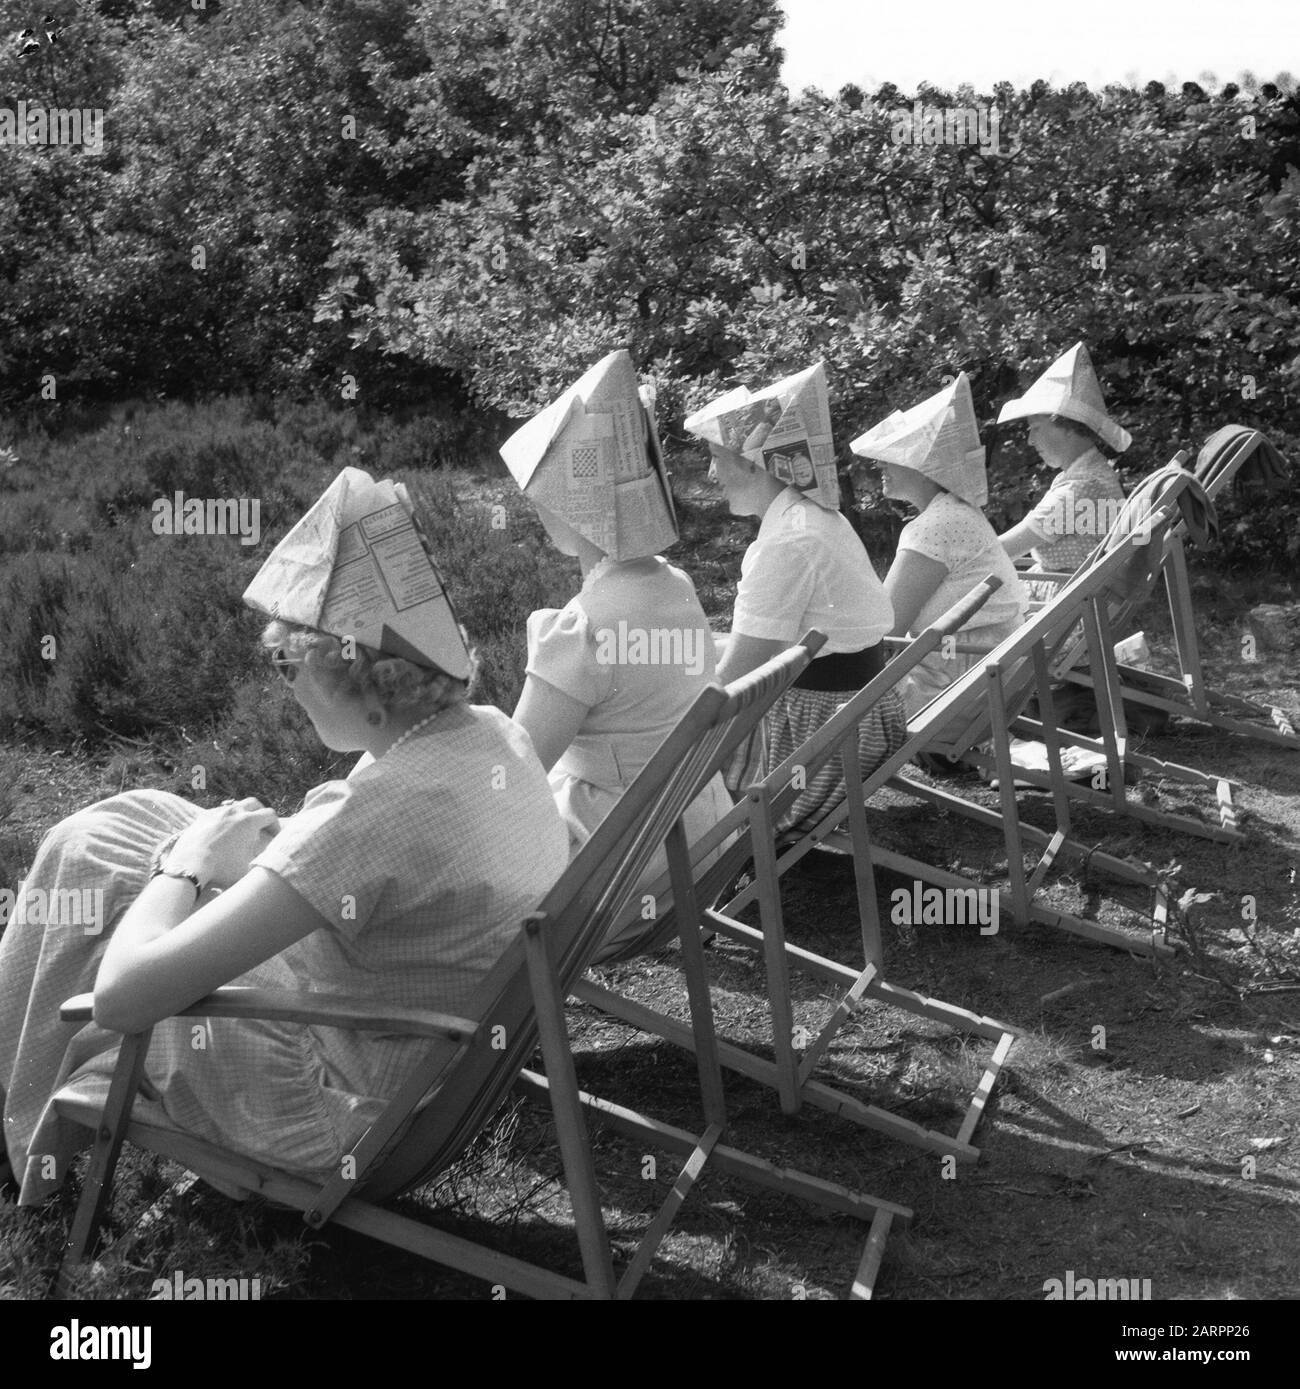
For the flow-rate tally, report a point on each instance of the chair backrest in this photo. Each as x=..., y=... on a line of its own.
x=960, y=718
x=578, y=912
x=1173, y=502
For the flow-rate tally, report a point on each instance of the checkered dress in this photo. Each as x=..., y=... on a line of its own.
x=422, y=864
x=1073, y=517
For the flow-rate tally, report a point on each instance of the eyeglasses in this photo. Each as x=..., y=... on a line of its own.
x=284, y=665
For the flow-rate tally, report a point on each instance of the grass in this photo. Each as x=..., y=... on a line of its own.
x=1114, y=1153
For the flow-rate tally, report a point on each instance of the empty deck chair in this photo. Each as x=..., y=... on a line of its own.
x=1237, y=457
x=472, y=1062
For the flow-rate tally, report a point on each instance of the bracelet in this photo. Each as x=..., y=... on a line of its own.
x=159, y=867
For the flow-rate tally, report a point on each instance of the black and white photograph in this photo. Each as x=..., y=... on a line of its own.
x=650, y=650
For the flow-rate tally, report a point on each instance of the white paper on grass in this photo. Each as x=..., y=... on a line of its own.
x=1077, y=764
x=592, y=457
x=356, y=565
x=785, y=429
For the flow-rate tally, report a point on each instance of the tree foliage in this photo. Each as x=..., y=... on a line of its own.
x=427, y=193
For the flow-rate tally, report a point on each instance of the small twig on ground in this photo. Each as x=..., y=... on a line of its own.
x=1068, y=989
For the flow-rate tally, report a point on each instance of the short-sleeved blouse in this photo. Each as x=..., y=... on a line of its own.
x=959, y=536
x=807, y=568
x=1075, y=512
x=634, y=647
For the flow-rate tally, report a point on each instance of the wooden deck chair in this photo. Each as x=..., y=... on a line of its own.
x=748, y=832
x=473, y=1061
x=1150, y=511
x=978, y=708
x=1234, y=456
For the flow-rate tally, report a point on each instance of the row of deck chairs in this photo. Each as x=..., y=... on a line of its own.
x=1242, y=459
x=474, y=1061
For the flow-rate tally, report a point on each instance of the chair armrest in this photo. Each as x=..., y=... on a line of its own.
x=290, y=1005
x=965, y=608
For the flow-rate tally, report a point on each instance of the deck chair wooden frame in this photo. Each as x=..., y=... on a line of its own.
x=1188, y=695
x=472, y=1062
x=980, y=701
x=793, y=1070
x=1095, y=604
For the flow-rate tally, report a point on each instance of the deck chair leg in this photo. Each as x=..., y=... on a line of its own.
x=778, y=975
x=864, y=1283
x=1007, y=795
x=1052, y=739
x=687, y=907
x=863, y=873
x=1114, y=731
x=1180, y=610
x=97, y=1192
x=571, y=1129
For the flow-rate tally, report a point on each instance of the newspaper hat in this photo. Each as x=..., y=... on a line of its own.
x=785, y=429
x=593, y=458
x=939, y=437
x=357, y=565
x=1069, y=387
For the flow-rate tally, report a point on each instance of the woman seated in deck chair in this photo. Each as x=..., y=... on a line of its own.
x=1073, y=434
x=400, y=884
x=933, y=460
x=611, y=673
x=807, y=568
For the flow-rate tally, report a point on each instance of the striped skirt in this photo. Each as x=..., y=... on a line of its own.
x=791, y=721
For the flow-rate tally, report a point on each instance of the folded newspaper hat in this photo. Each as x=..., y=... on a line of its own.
x=357, y=565
x=1069, y=387
x=939, y=437
x=785, y=429
x=592, y=458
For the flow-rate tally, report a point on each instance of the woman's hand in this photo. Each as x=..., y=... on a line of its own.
x=221, y=843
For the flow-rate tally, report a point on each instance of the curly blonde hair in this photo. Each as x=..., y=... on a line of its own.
x=399, y=685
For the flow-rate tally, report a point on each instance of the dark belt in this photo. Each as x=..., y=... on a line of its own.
x=843, y=670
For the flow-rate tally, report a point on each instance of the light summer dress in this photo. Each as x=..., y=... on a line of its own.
x=423, y=864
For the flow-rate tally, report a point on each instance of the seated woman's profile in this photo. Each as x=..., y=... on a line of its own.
x=805, y=569
x=932, y=459
x=401, y=883
x=1072, y=433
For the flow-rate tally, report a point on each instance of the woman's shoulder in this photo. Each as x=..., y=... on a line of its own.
x=951, y=512
x=634, y=590
x=948, y=528
x=547, y=626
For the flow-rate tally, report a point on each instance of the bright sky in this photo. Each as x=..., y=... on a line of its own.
x=831, y=42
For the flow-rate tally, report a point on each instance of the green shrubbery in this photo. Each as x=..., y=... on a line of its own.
x=116, y=633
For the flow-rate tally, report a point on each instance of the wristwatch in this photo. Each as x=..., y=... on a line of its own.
x=160, y=867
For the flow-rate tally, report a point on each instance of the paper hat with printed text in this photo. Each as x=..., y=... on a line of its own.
x=592, y=457
x=939, y=437
x=357, y=565
x=1069, y=387
x=785, y=429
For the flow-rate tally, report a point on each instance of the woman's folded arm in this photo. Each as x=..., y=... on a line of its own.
x=163, y=956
